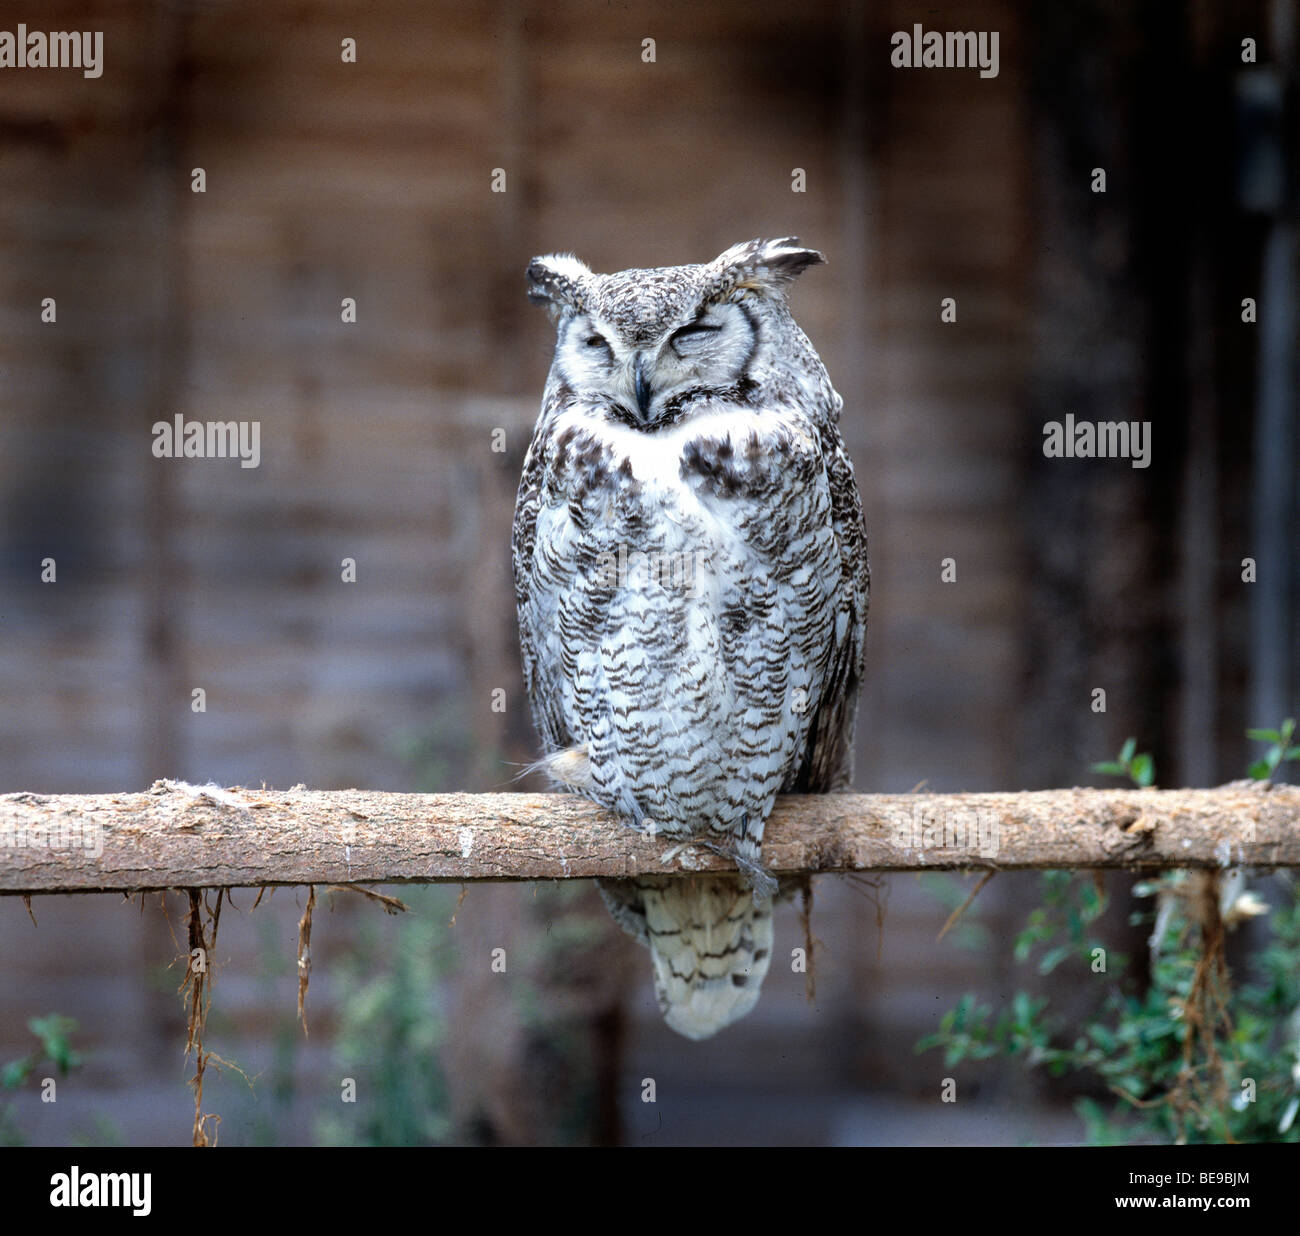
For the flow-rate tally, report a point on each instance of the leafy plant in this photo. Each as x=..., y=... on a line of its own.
x=1280, y=751
x=54, y=1037
x=1140, y=768
x=1185, y=1055
x=391, y=1030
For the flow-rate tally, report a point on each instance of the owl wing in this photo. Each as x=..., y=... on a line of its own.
x=827, y=762
x=538, y=668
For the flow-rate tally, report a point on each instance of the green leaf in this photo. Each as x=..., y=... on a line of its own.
x=1109, y=768
x=1292, y=753
x=1143, y=769
x=1264, y=735
x=1260, y=770
x=55, y=1033
x=1052, y=959
x=1126, y=751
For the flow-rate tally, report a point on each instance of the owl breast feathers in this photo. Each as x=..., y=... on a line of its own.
x=691, y=575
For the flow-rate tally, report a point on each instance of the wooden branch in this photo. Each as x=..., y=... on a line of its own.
x=175, y=835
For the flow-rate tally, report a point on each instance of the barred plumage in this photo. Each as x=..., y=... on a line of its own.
x=691, y=576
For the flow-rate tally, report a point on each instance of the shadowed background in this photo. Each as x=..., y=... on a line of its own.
x=373, y=180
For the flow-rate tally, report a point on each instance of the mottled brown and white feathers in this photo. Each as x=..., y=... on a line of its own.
x=691, y=577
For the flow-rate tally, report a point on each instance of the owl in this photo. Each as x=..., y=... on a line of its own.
x=690, y=568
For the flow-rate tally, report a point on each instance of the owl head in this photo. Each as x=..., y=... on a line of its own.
x=645, y=343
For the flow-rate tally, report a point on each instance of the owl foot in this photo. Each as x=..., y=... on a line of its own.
x=669, y=855
x=757, y=877
x=752, y=872
x=748, y=858
x=692, y=843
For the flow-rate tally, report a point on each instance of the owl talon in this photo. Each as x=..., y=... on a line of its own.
x=752, y=873
x=759, y=878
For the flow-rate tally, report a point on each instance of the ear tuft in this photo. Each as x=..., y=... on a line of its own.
x=557, y=279
x=764, y=265
x=785, y=260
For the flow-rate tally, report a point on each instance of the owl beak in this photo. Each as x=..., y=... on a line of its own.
x=643, y=391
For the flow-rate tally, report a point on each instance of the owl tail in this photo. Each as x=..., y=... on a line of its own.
x=710, y=943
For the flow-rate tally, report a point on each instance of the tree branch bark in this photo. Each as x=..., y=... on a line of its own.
x=174, y=835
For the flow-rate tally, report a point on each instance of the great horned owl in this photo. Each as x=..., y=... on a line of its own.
x=691, y=573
